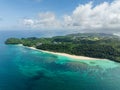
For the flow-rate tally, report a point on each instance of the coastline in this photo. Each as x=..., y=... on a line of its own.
x=66, y=55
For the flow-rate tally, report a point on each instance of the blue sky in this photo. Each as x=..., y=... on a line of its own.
x=41, y=14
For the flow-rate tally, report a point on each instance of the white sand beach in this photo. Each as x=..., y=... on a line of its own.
x=67, y=55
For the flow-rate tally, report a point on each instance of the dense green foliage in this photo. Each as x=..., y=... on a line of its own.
x=97, y=45
x=13, y=41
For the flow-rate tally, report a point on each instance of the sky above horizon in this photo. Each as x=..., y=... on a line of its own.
x=81, y=15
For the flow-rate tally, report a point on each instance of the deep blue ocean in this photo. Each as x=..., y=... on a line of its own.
x=22, y=68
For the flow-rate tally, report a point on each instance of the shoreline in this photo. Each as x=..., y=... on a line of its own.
x=66, y=55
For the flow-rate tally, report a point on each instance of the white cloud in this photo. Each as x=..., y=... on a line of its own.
x=28, y=22
x=87, y=16
x=101, y=16
x=45, y=20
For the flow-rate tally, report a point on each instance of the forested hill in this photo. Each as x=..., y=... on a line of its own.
x=98, y=45
x=100, y=35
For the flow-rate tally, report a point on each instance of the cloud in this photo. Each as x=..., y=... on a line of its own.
x=87, y=16
x=105, y=15
x=47, y=19
x=28, y=22
x=44, y=20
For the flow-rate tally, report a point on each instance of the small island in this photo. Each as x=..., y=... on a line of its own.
x=94, y=45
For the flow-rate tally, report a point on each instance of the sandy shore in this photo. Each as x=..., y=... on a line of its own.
x=67, y=55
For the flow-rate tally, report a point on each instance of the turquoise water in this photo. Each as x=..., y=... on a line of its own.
x=24, y=69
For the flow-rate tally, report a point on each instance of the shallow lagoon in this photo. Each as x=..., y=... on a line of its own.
x=26, y=69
